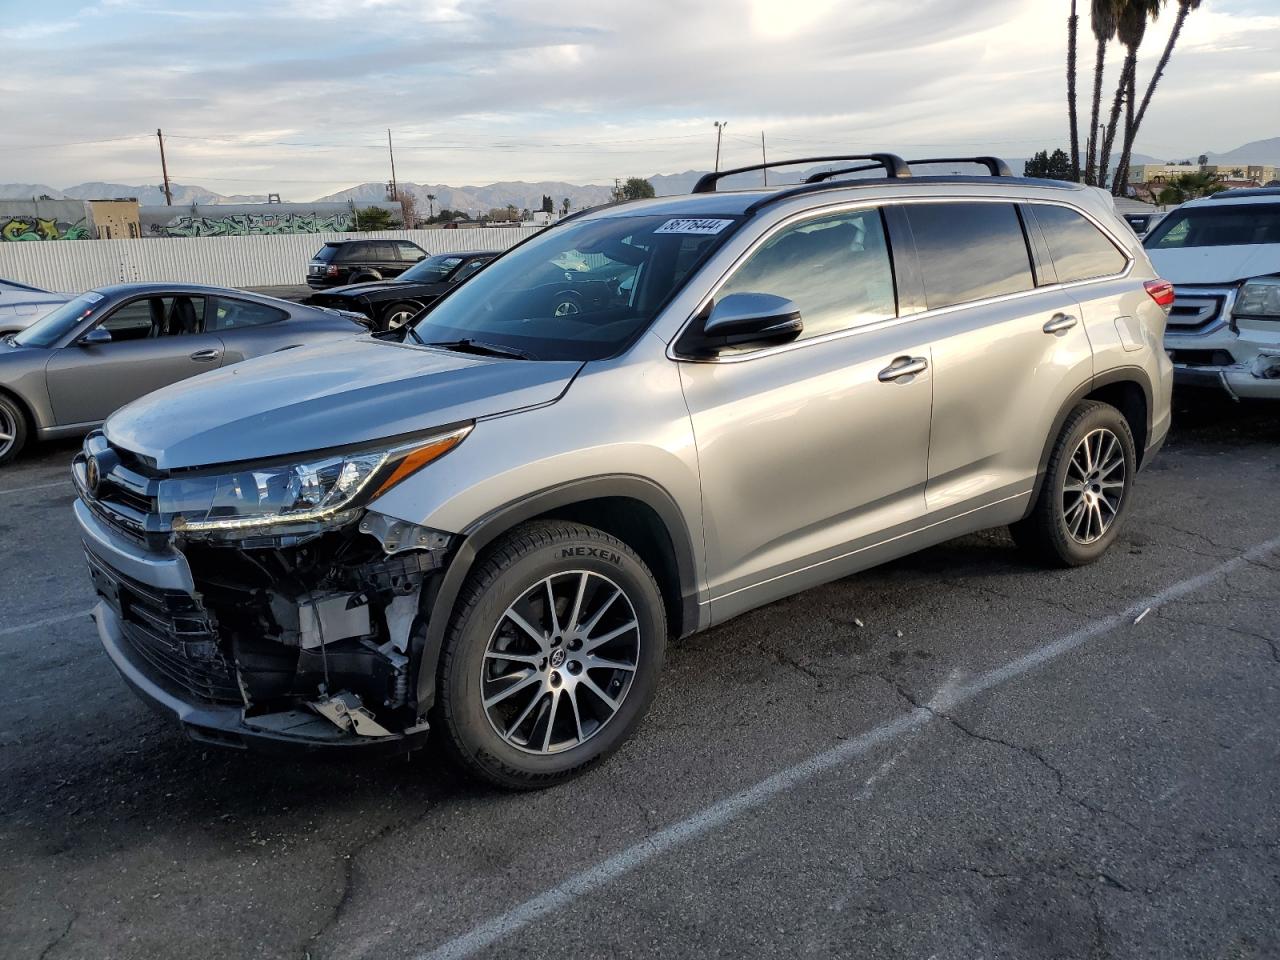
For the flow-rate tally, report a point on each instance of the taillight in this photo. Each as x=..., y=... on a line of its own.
x=333, y=271
x=1161, y=291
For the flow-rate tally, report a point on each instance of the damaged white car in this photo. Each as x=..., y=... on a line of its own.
x=1222, y=254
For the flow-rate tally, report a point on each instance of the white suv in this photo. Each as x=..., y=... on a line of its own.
x=1223, y=255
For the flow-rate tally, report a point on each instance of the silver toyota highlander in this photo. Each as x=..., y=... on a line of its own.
x=639, y=423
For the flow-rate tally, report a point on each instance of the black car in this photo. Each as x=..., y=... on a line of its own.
x=390, y=303
x=340, y=262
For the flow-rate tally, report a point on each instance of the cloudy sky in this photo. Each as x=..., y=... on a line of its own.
x=296, y=95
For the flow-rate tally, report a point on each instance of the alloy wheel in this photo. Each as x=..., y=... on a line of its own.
x=8, y=431
x=1094, y=486
x=560, y=662
x=398, y=319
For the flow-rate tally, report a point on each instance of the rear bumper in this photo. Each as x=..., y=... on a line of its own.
x=120, y=569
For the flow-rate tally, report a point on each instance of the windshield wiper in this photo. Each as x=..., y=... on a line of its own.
x=467, y=345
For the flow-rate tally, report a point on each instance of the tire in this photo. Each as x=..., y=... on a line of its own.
x=514, y=723
x=13, y=430
x=389, y=315
x=1086, y=491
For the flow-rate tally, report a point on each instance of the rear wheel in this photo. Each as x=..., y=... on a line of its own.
x=552, y=656
x=13, y=430
x=1086, y=491
x=398, y=314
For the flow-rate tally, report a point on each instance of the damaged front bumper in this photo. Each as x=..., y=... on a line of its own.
x=310, y=647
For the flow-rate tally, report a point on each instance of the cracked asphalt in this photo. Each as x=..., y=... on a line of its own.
x=1117, y=795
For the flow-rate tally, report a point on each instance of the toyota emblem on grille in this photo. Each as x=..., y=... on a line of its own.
x=92, y=475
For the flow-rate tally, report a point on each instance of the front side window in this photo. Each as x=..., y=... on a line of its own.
x=235, y=314
x=1080, y=250
x=835, y=268
x=153, y=317
x=581, y=291
x=969, y=251
x=1223, y=226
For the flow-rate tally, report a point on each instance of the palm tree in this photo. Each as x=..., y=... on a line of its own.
x=1188, y=186
x=1131, y=131
x=1073, y=28
x=431, y=206
x=1102, y=19
x=1131, y=27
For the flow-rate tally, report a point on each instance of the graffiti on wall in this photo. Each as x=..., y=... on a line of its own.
x=253, y=224
x=37, y=228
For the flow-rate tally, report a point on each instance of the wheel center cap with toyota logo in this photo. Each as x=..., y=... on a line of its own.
x=557, y=658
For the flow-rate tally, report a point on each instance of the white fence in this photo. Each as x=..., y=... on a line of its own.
x=252, y=261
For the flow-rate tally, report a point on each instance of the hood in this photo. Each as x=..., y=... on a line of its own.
x=356, y=289
x=328, y=395
x=1216, y=264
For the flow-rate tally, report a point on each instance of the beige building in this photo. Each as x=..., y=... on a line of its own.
x=114, y=219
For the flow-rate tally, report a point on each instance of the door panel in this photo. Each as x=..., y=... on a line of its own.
x=87, y=383
x=999, y=382
x=804, y=452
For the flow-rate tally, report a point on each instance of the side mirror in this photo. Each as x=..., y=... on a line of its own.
x=754, y=319
x=95, y=338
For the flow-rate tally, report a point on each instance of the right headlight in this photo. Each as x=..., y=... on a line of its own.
x=325, y=489
x=1259, y=298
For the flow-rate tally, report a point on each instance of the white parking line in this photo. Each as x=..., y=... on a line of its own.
x=46, y=622
x=952, y=694
x=38, y=486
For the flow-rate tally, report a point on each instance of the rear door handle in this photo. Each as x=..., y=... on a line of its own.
x=206, y=356
x=903, y=367
x=1059, y=322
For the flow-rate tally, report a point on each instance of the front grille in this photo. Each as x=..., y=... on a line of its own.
x=1195, y=309
x=124, y=496
x=170, y=632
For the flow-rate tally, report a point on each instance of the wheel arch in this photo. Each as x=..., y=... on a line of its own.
x=1128, y=389
x=26, y=409
x=636, y=510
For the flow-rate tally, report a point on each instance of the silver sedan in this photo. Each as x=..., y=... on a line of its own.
x=64, y=374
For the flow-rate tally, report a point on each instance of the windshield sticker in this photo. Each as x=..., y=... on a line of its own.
x=703, y=227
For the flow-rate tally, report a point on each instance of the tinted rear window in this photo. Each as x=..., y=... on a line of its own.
x=1080, y=250
x=969, y=251
x=1222, y=226
x=327, y=252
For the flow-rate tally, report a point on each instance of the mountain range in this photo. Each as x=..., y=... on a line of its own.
x=519, y=194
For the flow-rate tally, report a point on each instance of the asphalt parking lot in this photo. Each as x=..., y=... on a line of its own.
x=954, y=756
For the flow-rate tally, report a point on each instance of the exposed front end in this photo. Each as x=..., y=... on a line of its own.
x=1227, y=337
x=263, y=605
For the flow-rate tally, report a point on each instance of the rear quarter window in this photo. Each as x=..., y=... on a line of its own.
x=969, y=251
x=1079, y=249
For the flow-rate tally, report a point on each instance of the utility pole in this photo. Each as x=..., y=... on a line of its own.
x=764, y=158
x=617, y=188
x=395, y=191
x=720, y=125
x=164, y=169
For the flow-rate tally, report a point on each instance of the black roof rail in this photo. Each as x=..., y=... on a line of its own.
x=995, y=165
x=892, y=164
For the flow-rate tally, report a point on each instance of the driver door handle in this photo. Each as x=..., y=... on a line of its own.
x=206, y=356
x=1059, y=322
x=903, y=367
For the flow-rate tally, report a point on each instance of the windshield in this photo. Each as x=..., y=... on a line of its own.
x=432, y=269
x=582, y=291
x=1217, y=226
x=52, y=327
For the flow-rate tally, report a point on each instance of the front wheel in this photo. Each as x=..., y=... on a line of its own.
x=398, y=314
x=552, y=655
x=13, y=430
x=1086, y=490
